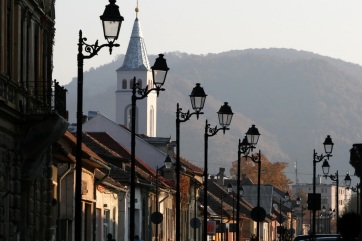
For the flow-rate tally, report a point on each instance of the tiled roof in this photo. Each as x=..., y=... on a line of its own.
x=142, y=169
x=191, y=166
x=108, y=180
x=85, y=149
x=215, y=191
x=110, y=143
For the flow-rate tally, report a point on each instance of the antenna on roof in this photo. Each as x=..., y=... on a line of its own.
x=296, y=173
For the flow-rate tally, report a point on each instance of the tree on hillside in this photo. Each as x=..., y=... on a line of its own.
x=271, y=173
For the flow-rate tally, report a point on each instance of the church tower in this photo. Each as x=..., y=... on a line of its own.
x=136, y=65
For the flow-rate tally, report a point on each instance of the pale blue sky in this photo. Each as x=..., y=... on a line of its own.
x=327, y=27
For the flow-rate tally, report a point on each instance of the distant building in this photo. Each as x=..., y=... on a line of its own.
x=328, y=199
x=136, y=65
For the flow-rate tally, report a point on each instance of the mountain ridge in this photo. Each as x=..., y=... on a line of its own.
x=295, y=98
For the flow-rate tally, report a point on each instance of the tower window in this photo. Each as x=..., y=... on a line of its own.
x=124, y=84
x=131, y=82
x=139, y=83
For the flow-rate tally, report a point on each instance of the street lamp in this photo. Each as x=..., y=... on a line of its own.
x=157, y=217
x=292, y=206
x=225, y=115
x=335, y=178
x=222, y=217
x=197, y=98
x=111, y=21
x=328, y=148
x=245, y=147
x=356, y=190
x=286, y=197
x=230, y=190
x=159, y=73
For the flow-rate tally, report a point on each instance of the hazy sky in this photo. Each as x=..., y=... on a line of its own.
x=327, y=27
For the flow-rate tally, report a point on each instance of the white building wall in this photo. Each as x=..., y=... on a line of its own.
x=107, y=204
x=145, y=122
x=328, y=194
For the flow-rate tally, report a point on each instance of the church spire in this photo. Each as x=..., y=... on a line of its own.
x=136, y=55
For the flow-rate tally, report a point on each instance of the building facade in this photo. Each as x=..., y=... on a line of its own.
x=28, y=126
x=331, y=201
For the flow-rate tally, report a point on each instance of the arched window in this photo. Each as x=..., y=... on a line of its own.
x=128, y=117
x=124, y=84
x=139, y=83
x=131, y=83
x=152, y=129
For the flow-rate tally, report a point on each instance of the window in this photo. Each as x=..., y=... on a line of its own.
x=131, y=82
x=128, y=117
x=139, y=82
x=124, y=84
x=152, y=129
x=106, y=223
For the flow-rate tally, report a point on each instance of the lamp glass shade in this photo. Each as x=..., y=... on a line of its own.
x=159, y=71
x=168, y=162
x=325, y=167
x=253, y=135
x=225, y=115
x=347, y=180
x=111, y=21
x=198, y=98
x=328, y=145
x=230, y=188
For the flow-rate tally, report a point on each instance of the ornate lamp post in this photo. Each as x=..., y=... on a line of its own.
x=292, y=206
x=286, y=197
x=354, y=189
x=335, y=178
x=328, y=148
x=225, y=115
x=157, y=217
x=245, y=147
x=197, y=98
x=159, y=73
x=230, y=190
x=111, y=21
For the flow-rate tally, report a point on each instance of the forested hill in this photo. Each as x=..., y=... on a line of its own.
x=295, y=98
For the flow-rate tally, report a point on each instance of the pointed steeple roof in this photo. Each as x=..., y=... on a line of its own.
x=136, y=56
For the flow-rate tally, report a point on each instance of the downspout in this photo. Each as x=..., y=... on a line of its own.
x=70, y=168
x=96, y=183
